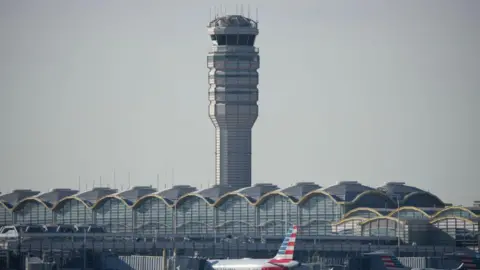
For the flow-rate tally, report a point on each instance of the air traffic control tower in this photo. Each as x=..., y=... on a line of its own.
x=233, y=94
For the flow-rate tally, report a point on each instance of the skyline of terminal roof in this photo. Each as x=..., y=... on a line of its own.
x=55, y=195
x=16, y=196
x=256, y=191
x=135, y=193
x=300, y=189
x=345, y=191
x=398, y=189
x=176, y=192
x=212, y=194
x=94, y=195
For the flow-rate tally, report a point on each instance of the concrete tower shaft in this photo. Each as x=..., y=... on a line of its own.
x=233, y=62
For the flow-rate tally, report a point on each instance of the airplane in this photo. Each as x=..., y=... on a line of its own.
x=283, y=260
x=387, y=261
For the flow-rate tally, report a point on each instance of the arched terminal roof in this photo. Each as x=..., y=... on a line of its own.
x=90, y=197
x=257, y=191
x=134, y=194
x=350, y=193
x=210, y=195
x=170, y=196
x=398, y=190
x=174, y=193
x=346, y=190
x=9, y=200
x=55, y=195
x=50, y=198
x=94, y=195
x=411, y=196
x=300, y=189
x=233, y=21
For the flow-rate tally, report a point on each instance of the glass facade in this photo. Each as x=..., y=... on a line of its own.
x=235, y=215
x=6, y=216
x=350, y=226
x=363, y=213
x=457, y=228
x=73, y=211
x=410, y=213
x=153, y=215
x=455, y=212
x=385, y=227
x=275, y=215
x=33, y=212
x=194, y=216
x=316, y=214
x=115, y=215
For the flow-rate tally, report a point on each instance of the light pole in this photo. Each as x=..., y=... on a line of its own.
x=398, y=226
x=84, y=248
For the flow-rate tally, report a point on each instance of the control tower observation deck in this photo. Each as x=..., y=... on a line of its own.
x=233, y=62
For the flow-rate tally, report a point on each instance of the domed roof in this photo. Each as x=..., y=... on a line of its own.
x=215, y=192
x=300, y=189
x=258, y=190
x=233, y=21
x=346, y=190
x=174, y=193
x=398, y=189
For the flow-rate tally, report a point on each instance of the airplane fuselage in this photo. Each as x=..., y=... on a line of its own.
x=251, y=264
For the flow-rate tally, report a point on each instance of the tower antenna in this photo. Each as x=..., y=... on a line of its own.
x=173, y=177
x=248, y=10
x=79, y=183
x=100, y=181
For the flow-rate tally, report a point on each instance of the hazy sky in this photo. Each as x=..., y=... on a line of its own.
x=373, y=91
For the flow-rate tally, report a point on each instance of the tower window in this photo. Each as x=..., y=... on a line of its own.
x=242, y=40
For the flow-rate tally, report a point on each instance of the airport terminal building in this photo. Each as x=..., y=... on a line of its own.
x=233, y=206
x=263, y=210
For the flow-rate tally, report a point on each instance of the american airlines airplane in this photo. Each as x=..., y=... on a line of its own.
x=283, y=260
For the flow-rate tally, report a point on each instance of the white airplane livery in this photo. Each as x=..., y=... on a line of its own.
x=283, y=259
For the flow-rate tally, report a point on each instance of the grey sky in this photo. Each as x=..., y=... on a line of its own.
x=372, y=91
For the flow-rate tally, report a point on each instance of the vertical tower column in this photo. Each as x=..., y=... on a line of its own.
x=233, y=94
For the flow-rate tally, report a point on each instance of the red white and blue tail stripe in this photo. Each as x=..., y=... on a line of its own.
x=470, y=262
x=392, y=263
x=285, y=253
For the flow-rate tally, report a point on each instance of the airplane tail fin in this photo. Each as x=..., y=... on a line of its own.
x=285, y=253
x=382, y=260
x=469, y=263
x=391, y=262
